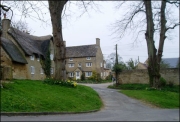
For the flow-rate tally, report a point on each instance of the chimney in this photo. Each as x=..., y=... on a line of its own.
x=98, y=41
x=5, y=26
x=64, y=43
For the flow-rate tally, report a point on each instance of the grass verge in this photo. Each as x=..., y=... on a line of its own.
x=167, y=97
x=34, y=96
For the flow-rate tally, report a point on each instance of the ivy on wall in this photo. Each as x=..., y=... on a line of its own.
x=46, y=64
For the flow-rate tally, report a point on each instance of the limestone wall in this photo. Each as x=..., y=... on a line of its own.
x=141, y=76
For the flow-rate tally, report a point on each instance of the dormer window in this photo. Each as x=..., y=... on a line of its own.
x=70, y=59
x=32, y=57
x=88, y=58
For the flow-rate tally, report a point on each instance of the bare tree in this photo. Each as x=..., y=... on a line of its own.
x=57, y=11
x=156, y=22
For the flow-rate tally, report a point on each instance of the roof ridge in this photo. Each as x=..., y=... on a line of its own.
x=83, y=45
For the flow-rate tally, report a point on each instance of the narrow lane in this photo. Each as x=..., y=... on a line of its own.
x=117, y=107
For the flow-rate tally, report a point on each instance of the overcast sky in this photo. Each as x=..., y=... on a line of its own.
x=85, y=29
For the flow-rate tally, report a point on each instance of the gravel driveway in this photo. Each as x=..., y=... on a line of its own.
x=117, y=107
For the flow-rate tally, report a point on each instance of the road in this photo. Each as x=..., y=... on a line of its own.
x=117, y=107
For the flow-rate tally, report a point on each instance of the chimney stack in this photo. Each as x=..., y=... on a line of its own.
x=98, y=41
x=5, y=26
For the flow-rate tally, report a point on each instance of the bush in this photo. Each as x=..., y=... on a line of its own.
x=170, y=84
x=162, y=82
x=109, y=77
x=59, y=82
x=95, y=77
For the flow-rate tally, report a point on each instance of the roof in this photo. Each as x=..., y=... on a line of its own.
x=81, y=51
x=31, y=44
x=171, y=61
x=13, y=51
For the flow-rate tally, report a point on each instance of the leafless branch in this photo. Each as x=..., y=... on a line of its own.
x=177, y=24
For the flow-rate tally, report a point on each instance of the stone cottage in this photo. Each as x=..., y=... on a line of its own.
x=85, y=59
x=21, y=53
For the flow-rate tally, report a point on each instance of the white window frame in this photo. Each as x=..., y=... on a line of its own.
x=104, y=65
x=104, y=73
x=101, y=74
x=79, y=64
x=41, y=71
x=71, y=64
x=88, y=58
x=70, y=59
x=89, y=64
x=71, y=74
x=88, y=74
x=52, y=70
x=32, y=69
x=51, y=56
x=101, y=64
x=32, y=57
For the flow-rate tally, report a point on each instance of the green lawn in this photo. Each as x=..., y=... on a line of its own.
x=35, y=96
x=167, y=97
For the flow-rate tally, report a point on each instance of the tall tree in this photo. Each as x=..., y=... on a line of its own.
x=56, y=12
x=56, y=9
x=155, y=21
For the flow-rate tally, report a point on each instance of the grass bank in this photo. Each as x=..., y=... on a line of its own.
x=167, y=97
x=35, y=96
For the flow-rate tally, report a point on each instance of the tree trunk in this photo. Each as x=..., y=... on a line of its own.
x=153, y=69
x=56, y=8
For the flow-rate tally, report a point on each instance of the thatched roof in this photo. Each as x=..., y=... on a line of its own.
x=81, y=51
x=13, y=52
x=31, y=44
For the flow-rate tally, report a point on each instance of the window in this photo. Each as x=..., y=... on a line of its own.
x=32, y=70
x=101, y=74
x=88, y=74
x=79, y=65
x=71, y=65
x=88, y=64
x=104, y=65
x=71, y=74
x=51, y=57
x=70, y=59
x=52, y=70
x=32, y=57
x=104, y=73
x=88, y=58
x=101, y=64
x=41, y=71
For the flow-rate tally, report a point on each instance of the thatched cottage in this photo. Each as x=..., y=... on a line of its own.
x=21, y=53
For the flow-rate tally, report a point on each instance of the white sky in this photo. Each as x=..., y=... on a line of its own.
x=84, y=31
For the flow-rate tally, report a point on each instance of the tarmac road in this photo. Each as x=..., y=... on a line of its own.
x=117, y=107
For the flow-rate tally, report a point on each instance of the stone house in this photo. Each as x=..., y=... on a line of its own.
x=21, y=53
x=85, y=59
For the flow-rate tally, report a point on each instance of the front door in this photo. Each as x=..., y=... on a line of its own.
x=77, y=75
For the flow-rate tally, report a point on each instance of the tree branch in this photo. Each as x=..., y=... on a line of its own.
x=177, y=24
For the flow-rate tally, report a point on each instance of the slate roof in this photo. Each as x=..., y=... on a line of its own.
x=31, y=44
x=13, y=51
x=171, y=61
x=81, y=51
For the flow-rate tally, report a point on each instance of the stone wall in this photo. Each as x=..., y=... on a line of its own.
x=141, y=76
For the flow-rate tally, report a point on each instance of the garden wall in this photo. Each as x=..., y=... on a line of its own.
x=141, y=76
